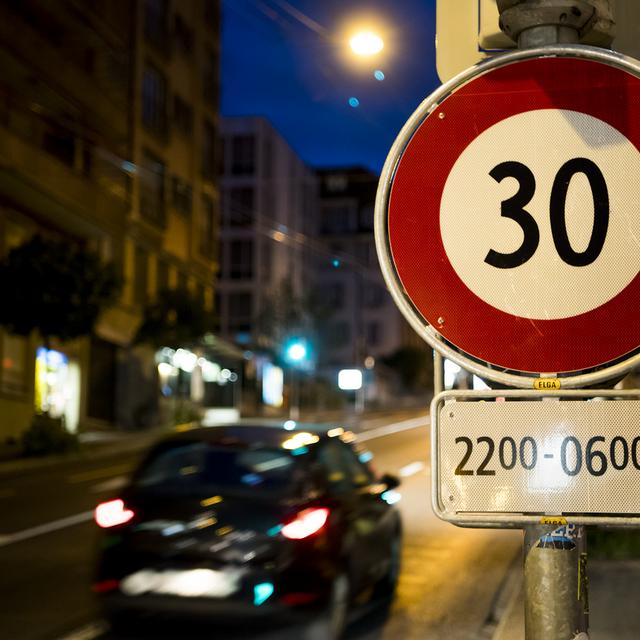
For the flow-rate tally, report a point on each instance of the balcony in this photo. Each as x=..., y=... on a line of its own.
x=39, y=183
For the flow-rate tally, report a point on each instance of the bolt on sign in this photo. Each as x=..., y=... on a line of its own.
x=508, y=217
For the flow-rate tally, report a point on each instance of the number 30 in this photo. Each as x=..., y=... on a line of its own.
x=513, y=208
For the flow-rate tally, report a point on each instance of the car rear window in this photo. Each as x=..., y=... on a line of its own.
x=196, y=467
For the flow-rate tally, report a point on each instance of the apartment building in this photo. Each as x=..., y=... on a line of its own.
x=108, y=126
x=268, y=209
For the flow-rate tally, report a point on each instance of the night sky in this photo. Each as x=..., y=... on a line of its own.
x=288, y=60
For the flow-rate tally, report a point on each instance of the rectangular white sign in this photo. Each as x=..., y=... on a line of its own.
x=528, y=458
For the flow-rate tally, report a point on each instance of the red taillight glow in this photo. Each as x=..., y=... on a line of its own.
x=105, y=586
x=306, y=523
x=112, y=513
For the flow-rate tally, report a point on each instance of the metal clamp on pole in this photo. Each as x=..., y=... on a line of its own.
x=534, y=23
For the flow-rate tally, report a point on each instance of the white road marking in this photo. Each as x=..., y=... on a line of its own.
x=88, y=632
x=411, y=469
x=98, y=474
x=113, y=484
x=117, y=482
x=396, y=427
x=45, y=528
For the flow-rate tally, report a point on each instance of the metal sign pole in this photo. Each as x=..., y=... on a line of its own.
x=556, y=600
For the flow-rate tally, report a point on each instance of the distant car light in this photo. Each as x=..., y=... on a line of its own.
x=306, y=523
x=112, y=513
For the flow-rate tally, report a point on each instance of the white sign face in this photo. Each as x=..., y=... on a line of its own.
x=531, y=457
x=505, y=186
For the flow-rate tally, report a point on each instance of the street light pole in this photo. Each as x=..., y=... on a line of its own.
x=555, y=580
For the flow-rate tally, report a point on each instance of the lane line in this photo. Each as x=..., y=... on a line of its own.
x=49, y=527
x=411, y=469
x=387, y=430
x=113, y=484
x=396, y=427
x=97, y=474
x=88, y=632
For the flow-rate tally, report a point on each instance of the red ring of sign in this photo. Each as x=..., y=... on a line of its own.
x=579, y=343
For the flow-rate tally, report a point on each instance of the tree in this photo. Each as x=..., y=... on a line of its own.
x=55, y=287
x=414, y=366
x=176, y=318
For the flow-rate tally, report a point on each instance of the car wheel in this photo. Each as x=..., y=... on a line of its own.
x=332, y=624
x=386, y=587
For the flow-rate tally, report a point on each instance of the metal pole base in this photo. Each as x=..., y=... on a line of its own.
x=555, y=583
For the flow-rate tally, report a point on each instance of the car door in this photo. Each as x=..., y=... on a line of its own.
x=361, y=512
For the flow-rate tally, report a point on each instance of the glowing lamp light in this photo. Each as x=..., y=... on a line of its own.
x=366, y=43
x=112, y=513
x=350, y=379
x=306, y=523
x=296, y=352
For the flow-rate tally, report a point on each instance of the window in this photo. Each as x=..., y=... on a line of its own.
x=209, y=151
x=374, y=296
x=343, y=469
x=152, y=200
x=212, y=15
x=265, y=260
x=373, y=333
x=240, y=312
x=366, y=218
x=60, y=143
x=243, y=155
x=162, y=276
x=182, y=195
x=155, y=21
x=140, y=277
x=182, y=116
x=333, y=295
x=241, y=259
x=210, y=79
x=208, y=228
x=14, y=363
x=339, y=335
x=183, y=35
x=154, y=100
x=337, y=218
x=241, y=206
x=240, y=307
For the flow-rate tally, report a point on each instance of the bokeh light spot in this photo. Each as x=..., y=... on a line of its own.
x=354, y=102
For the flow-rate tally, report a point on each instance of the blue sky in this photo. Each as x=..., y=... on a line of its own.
x=286, y=60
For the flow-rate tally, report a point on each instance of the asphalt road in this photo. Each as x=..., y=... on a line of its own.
x=448, y=586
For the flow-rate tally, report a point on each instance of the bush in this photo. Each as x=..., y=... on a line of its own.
x=47, y=435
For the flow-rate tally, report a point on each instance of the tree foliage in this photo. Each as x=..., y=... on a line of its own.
x=414, y=366
x=55, y=287
x=176, y=318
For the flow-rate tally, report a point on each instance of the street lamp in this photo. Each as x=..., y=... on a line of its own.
x=366, y=43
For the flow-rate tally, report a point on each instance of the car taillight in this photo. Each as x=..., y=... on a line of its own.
x=112, y=513
x=305, y=524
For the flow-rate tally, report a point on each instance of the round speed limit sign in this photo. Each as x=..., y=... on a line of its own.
x=508, y=217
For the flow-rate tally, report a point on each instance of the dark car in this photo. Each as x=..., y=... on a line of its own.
x=246, y=520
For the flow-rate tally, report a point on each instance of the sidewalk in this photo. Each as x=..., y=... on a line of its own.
x=614, y=605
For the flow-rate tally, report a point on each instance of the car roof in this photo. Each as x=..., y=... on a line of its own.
x=251, y=433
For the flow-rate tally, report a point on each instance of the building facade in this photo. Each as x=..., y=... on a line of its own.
x=108, y=127
x=268, y=200
x=365, y=325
